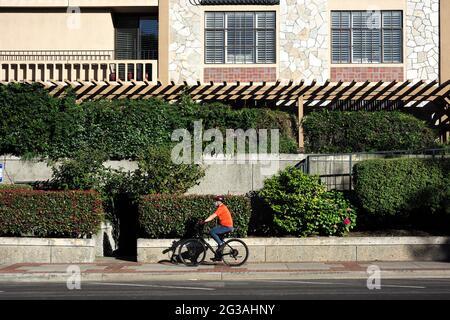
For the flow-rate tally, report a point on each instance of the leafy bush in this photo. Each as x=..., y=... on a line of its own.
x=85, y=171
x=47, y=214
x=168, y=216
x=157, y=173
x=303, y=207
x=341, y=132
x=402, y=187
x=35, y=124
x=26, y=119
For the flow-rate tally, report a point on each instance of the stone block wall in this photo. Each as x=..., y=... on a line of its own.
x=422, y=40
x=304, y=40
x=186, y=43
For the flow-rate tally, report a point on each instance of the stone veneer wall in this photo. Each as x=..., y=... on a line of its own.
x=303, y=38
x=422, y=42
x=186, y=48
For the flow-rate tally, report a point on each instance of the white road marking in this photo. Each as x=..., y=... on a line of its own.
x=151, y=285
x=307, y=282
x=395, y=286
x=348, y=284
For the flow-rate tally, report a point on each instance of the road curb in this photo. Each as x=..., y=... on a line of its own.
x=221, y=276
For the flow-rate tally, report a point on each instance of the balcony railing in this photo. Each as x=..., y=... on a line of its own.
x=100, y=70
x=77, y=55
x=84, y=65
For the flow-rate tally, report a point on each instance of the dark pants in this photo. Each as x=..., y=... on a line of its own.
x=216, y=231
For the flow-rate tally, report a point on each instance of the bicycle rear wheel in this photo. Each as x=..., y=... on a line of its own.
x=192, y=252
x=234, y=253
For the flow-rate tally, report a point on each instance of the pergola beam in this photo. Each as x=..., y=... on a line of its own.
x=288, y=93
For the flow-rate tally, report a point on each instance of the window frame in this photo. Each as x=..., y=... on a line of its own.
x=351, y=46
x=255, y=29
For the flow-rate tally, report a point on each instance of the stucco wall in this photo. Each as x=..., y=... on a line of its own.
x=41, y=30
x=81, y=3
x=445, y=41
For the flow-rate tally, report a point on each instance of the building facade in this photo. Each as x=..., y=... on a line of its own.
x=224, y=40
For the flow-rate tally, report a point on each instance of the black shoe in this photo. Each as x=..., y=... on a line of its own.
x=216, y=259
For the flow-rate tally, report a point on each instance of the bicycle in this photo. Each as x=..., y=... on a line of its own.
x=192, y=252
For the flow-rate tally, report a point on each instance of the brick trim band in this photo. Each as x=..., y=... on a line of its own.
x=256, y=74
x=362, y=74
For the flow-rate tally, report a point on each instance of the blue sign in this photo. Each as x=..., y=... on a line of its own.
x=1, y=172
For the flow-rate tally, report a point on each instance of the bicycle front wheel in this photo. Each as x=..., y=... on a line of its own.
x=234, y=253
x=192, y=252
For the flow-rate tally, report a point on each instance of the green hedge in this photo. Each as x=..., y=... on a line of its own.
x=169, y=216
x=36, y=124
x=15, y=187
x=360, y=131
x=71, y=214
x=402, y=187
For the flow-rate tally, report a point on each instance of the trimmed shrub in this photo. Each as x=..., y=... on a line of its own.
x=341, y=132
x=15, y=187
x=387, y=188
x=47, y=214
x=170, y=216
x=303, y=207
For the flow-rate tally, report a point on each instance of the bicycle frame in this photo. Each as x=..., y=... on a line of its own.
x=200, y=236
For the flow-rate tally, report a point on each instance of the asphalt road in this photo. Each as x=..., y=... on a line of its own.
x=405, y=289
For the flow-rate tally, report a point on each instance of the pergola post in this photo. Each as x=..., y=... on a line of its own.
x=301, y=138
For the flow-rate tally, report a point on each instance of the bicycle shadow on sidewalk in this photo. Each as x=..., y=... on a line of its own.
x=189, y=232
x=174, y=256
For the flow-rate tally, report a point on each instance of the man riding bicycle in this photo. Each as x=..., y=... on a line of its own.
x=225, y=221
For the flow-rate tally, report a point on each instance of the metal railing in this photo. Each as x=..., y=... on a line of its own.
x=336, y=170
x=97, y=70
x=77, y=55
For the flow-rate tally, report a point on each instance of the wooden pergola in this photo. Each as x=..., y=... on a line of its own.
x=301, y=94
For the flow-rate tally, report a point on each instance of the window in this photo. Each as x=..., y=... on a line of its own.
x=136, y=37
x=240, y=37
x=367, y=36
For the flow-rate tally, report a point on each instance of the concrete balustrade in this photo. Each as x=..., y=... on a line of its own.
x=97, y=70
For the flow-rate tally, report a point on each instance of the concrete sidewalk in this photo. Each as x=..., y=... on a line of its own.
x=114, y=270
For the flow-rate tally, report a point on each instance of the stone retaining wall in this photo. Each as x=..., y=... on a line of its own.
x=40, y=250
x=322, y=249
